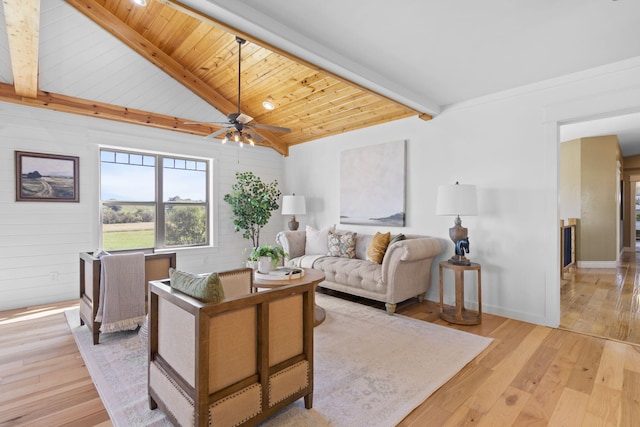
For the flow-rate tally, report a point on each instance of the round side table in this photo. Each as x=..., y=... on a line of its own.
x=459, y=314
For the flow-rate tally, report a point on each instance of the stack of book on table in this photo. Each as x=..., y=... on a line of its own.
x=281, y=273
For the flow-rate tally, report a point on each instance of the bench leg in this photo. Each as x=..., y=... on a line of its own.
x=308, y=401
x=152, y=403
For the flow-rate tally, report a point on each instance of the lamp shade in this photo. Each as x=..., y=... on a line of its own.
x=293, y=205
x=457, y=199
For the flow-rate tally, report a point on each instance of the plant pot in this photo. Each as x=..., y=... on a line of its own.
x=265, y=264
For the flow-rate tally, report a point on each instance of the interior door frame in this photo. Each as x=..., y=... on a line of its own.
x=610, y=104
x=634, y=180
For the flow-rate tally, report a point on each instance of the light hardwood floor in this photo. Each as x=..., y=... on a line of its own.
x=603, y=302
x=43, y=379
x=530, y=375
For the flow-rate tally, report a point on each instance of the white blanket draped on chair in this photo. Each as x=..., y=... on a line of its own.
x=122, y=292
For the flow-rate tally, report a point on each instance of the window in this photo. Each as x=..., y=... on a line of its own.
x=153, y=201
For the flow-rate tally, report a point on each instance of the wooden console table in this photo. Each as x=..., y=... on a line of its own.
x=156, y=267
x=459, y=314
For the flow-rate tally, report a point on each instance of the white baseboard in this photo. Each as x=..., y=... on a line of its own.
x=597, y=264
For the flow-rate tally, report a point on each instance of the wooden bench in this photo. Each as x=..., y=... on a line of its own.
x=156, y=267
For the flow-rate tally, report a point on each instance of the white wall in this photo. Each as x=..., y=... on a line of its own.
x=40, y=242
x=505, y=144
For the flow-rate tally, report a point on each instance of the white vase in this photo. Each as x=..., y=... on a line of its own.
x=265, y=264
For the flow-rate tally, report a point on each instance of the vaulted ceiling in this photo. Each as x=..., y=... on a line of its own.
x=202, y=55
x=328, y=66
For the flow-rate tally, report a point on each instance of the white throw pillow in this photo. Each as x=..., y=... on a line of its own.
x=317, y=240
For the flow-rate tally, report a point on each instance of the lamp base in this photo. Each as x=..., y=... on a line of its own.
x=293, y=224
x=459, y=260
x=460, y=238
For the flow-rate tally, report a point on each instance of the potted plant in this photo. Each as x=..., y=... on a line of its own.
x=267, y=257
x=252, y=202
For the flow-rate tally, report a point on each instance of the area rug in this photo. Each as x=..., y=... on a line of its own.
x=371, y=369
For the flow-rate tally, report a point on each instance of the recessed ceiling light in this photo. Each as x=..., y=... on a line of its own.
x=268, y=105
x=140, y=2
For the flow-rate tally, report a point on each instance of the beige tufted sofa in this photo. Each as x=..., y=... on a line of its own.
x=405, y=271
x=231, y=363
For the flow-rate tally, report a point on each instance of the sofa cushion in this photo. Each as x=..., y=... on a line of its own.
x=304, y=261
x=317, y=240
x=342, y=245
x=377, y=247
x=206, y=288
x=356, y=273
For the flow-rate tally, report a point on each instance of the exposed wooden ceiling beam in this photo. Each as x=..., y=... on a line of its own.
x=205, y=18
x=147, y=50
x=68, y=104
x=23, y=29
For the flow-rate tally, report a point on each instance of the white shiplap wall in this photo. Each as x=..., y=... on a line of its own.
x=80, y=59
x=40, y=242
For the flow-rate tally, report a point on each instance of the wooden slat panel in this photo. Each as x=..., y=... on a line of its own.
x=23, y=29
x=202, y=54
x=165, y=62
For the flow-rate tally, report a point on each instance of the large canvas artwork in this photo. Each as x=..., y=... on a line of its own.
x=372, y=185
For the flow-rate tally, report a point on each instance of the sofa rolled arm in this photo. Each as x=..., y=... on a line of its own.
x=293, y=242
x=416, y=249
x=407, y=252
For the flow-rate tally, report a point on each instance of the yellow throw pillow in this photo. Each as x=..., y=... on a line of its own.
x=377, y=247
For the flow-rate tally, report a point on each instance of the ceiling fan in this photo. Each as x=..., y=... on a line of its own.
x=240, y=127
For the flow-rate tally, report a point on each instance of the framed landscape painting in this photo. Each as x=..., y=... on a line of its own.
x=372, y=185
x=46, y=177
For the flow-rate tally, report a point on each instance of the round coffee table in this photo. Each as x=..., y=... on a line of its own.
x=310, y=276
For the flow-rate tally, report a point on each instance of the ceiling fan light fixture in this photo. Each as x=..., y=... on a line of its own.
x=237, y=121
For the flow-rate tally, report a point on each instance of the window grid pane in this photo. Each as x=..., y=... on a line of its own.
x=178, y=217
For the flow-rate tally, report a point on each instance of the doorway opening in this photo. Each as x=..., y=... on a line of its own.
x=636, y=219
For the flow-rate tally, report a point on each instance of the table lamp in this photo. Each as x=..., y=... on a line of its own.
x=455, y=200
x=293, y=205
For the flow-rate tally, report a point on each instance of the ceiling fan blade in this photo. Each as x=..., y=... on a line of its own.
x=243, y=118
x=254, y=135
x=270, y=127
x=216, y=133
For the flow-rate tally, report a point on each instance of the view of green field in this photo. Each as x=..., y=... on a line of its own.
x=133, y=226
x=128, y=236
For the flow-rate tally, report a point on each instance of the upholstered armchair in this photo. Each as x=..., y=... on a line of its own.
x=233, y=362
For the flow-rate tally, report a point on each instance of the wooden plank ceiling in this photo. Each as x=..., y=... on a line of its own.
x=202, y=54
